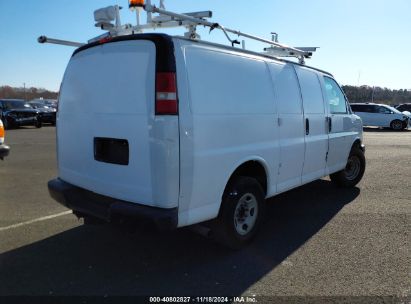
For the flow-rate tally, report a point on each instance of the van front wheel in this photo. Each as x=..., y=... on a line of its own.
x=353, y=171
x=240, y=214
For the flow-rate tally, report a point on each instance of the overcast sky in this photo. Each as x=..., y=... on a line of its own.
x=365, y=42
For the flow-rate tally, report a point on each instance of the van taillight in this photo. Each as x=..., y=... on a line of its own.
x=166, y=94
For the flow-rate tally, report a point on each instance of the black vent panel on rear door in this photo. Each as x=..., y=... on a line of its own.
x=111, y=150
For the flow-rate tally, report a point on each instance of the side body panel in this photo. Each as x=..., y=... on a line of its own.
x=224, y=122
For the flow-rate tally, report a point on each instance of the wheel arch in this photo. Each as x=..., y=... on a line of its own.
x=256, y=168
x=358, y=144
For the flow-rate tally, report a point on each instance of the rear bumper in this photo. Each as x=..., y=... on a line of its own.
x=82, y=201
x=4, y=151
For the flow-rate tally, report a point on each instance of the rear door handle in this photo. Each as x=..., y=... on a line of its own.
x=307, y=126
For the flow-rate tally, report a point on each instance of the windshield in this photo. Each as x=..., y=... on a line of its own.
x=37, y=105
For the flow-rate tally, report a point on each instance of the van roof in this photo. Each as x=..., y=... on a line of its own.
x=228, y=47
x=166, y=41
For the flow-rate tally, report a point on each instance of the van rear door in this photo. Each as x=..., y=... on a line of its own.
x=109, y=139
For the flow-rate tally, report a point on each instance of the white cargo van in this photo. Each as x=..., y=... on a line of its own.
x=184, y=132
x=181, y=132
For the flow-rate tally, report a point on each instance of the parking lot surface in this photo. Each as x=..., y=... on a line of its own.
x=318, y=240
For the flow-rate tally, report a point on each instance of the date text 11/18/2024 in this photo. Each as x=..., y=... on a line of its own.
x=245, y=299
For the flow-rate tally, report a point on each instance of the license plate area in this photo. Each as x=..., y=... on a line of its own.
x=111, y=150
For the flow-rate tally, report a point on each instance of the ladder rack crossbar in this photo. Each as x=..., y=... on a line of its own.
x=198, y=21
x=44, y=39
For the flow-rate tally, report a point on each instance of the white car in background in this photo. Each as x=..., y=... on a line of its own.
x=380, y=115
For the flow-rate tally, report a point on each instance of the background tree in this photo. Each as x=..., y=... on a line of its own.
x=381, y=95
x=28, y=93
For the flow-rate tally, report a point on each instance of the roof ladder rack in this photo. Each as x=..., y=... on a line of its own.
x=169, y=19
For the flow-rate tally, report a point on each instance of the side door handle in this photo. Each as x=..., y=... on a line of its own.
x=330, y=124
x=307, y=126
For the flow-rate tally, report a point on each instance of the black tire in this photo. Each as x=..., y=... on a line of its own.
x=397, y=125
x=353, y=171
x=38, y=124
x=241, y=213
x=91, y=220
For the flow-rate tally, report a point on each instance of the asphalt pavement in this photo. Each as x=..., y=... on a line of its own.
x=319, y=241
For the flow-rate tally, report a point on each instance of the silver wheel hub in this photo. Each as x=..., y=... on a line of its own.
x=245, y=214
x=353, y=167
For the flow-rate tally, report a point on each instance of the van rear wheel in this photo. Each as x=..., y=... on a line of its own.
x=353, y=171
x=241, y=213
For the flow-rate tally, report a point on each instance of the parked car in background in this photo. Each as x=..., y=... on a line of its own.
x=404, y=107
x=4, y=150
x=51, y=103
x=47, y=114
x=17, y=112
x=380, y=115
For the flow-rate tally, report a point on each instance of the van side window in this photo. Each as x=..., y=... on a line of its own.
x=286, y=88
x=311, y=91
x=335, y=97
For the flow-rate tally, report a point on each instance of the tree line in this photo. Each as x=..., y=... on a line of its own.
x=26, y=93
x=377, y=95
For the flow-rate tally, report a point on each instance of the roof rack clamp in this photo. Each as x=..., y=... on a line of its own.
x=192, y=32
